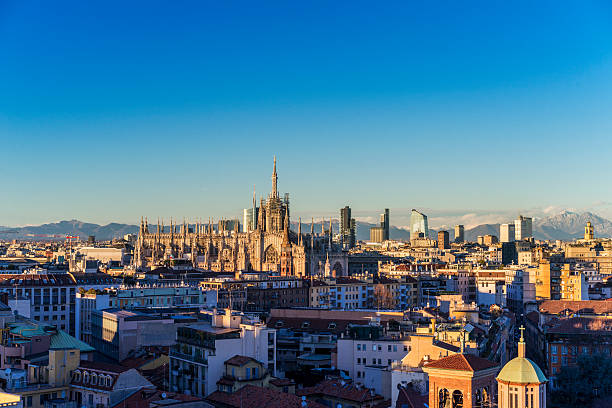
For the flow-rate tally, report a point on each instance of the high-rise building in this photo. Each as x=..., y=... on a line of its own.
x=589, y=232
x=443, y=242
x=418, y=224
x=506, y=233
x=523, y=228
x=459, y=233
x=376, y=234
x=384, y=223
x=347, y=227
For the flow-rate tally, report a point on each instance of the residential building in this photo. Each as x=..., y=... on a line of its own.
x=443, y=241
x=197, y=360
x=506, y=233
x=459, y=234
x=95, y=384
x=115, y=332
x=523, y=228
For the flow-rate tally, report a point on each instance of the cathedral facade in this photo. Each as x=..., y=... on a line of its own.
x=266, y=244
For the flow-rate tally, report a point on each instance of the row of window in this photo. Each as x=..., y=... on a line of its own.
x=378, y=347
x=363, y=361
x=93, y=378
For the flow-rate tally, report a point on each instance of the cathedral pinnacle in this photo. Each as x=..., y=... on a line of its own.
x=274, y=180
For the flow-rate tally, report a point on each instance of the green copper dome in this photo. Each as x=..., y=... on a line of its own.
x=521, y=370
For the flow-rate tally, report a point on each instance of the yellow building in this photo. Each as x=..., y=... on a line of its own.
x=573, y=284
x=589, y=232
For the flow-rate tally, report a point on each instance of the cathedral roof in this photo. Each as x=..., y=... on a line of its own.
x=521, y=370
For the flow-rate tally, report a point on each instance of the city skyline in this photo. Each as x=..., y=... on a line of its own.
x=360, y=112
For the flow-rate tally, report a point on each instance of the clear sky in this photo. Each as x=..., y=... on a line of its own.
x=114, y=110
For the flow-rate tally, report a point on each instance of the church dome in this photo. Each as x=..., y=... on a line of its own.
x=521, y=370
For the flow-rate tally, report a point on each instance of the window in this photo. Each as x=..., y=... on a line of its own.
x=248, y=372
x=564, y=349
x=373, y=347
x=389, y=347
x=358, y=360
x=553, y=350
x=405, y=348
x=554, y=359
x=358, y=347
x=395, y=348
x=94, y=379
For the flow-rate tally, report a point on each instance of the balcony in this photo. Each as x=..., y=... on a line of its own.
x=188, y=357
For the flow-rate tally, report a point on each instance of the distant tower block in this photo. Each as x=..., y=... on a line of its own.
x=589, y=232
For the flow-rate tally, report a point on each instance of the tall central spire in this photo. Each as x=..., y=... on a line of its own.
x=274, y=180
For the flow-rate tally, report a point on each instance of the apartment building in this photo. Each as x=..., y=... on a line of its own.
x=197, y=360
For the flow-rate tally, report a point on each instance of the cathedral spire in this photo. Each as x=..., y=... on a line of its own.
x=299, y=230
x=274, y=180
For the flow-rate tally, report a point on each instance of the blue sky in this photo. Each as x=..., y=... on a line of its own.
x=114, y=110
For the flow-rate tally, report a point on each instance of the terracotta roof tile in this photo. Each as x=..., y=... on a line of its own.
x=238, y=360
x=462, y=362
x=251, y=396
x=336, y=388
x=577, y=306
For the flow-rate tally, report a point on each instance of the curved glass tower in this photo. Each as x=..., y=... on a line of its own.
x=418, y=224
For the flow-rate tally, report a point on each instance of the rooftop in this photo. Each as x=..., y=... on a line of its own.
x=462, y=362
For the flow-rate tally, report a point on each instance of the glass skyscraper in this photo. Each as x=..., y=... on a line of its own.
x=418, y=224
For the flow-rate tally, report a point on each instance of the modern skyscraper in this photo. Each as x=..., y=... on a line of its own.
x=459, y=233
x=384, y=223
x=443, y=242
x=347, y=227
x=523, y=228
x=506, y=233
x=418, y=224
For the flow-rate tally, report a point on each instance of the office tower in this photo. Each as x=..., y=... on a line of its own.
x=347, y=227
x=418, y=225
x=459, y=233
x=506, y=233
x=384, y=224
x=523, y=228
x=443, y=242
x=376, y=234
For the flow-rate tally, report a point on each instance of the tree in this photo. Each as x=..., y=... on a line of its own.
x=579, y=385
x=383, y=299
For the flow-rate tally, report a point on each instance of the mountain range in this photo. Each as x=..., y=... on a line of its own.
x=566, y=225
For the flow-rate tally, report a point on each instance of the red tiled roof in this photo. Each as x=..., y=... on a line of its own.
x=577, y=306
x=335, y=388
x=407, y=396
x=95, y=365
x=144, y=398
x=281, y=382
x=238, y=360
x=583, y=325
x=462, y=362
x=251, y=396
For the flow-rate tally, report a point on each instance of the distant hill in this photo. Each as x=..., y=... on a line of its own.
x=73, y=227
x=566, y=225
